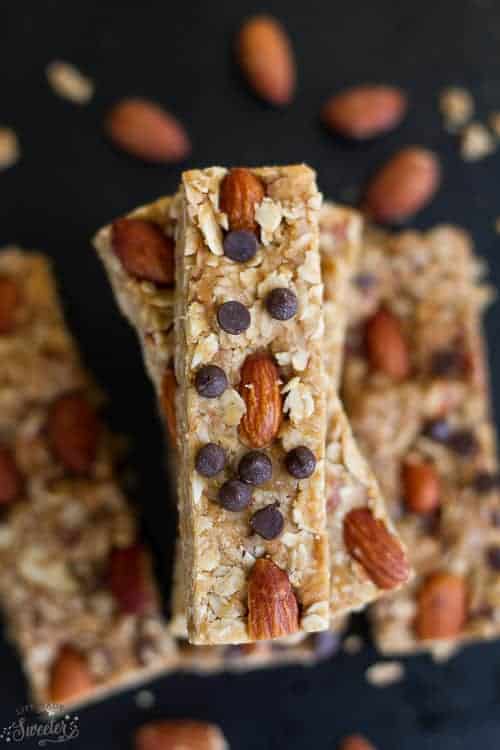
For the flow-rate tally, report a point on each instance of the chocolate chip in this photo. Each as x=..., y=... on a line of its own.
x=485, y=482
x=325, y=644
x=235, y=495
x=464, y=442
x=437, y=429
x=300, y=462
x=240, y=245
x=365, y=281
x=255, y=468
x=210, y=381
x=281, y=303
x=268, y=522
x=210, y=460
x=447, y=362
x=493, y=556
x=233, y=317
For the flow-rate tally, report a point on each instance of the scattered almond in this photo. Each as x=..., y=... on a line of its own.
x=178, y=734
x=168, y=389
x=365, y=111
x=260, y=390
x=273, y=610
x=130, y=581
x=240, y=193
x=265, y=55
x=404, y=185
x=70, y=677
x=476, y=142
x=145, y=252
x=441, y=606
x=421, y=487
x=386, y=345
x=10, y=478
x=143, y=129
x=379, y=552
x=356, y=742
x=9, y=304
x=457, y=107
x=384, y=673
x=73, y=432
x=67, y=81
x=9, y=148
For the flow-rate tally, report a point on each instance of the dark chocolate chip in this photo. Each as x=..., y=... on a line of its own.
x=438, y=430
x=300, y=462
x=210, y=381
x=281, y=303
x=255, y=468
x=493, y=556
x=325, y=644
x=268, y=522
x=447, y=362
x=235, y=495
x=365, y=281
x=485, y=482
x=233, y=317
x=464, y=442
x=240, y=245
x=233, y=652
x=210, y=460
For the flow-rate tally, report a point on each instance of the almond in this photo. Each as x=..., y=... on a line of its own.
x=441, y=606
x=144, y=251
x=9, y=302
x=365, y=111
x=70, y=677
x=168, y=388
x=421, y=487
x=260, y=390
x=73, y=432
x=356, y=742
x=265, y=55
x=10, y=478
x=240, y=193
x=130, y=581
x=379, y=552
x=143, y=129
x=179, y=735
x=404, y=185
x=386, y=345
x=273, y=610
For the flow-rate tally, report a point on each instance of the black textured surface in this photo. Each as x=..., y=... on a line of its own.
x=70, y=181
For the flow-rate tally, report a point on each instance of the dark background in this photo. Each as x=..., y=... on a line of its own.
x=70, y=181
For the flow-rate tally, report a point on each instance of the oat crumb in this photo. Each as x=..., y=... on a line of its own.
x=352, y=644
x=9, y=148
x=68, y=82
x=476, y=142
x=145, y=699
x=457, y=107
x=494, y=123
x=384, y=673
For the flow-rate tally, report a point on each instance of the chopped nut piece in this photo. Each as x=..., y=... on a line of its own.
x=385, y=673
x=457, y=107
x=9, y=148
x=67, y=81
x=477, y=142
x=352, y=644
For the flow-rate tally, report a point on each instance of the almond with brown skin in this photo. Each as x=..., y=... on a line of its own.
x=130, y=580
x=10, y=479
x=403, y=186
x=365, y=111
x=9, y=302
x=240, y=193
x=386, y=345
x=144, y=251
x=370, y=542
x=441, y=606
x=266, y=57
x=179, y=735
x=144, y=129
x=421, y=487
x=356, y=742
x=260, y=390
x=73, y=432
x=70, y=677
x=273, y=610
x=168, y=389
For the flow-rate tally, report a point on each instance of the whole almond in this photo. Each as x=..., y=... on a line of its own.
x=130, y=580
x=386, y=345
x=371, y=543
x=260, y=390
x=421, y=487
x=144, y=251
x=70, y=676
x=273, y=610
x=356, y=742
x=179, y=735
x=265, y=55
x=73, y=432
x=365, y=111
x=10, y=479
x=441, y=606
x=168, y=389
x=403, y=186
x=9, y=302
x=143, y=129
x=240, y=193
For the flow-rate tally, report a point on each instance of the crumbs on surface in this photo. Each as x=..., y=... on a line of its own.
x=384, y=673
x=457, y=107
x=9, y=148
x=68, y=82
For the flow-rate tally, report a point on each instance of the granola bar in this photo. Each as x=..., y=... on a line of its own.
x=416, y=391
x=76, y=586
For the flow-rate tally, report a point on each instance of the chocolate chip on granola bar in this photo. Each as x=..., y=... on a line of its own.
x=365, y=281
x=233, y=317
x=281, y=303
x=210, y=381
x=210, y=460
x=437, y=429
x=240, y=245
x=447, y=362
x=464, y=443
x=10, y=478
x=300, y=462
x=268, y=522
x=486, y=481
x=255, y=468
x=235, y=495
x=493, y=556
